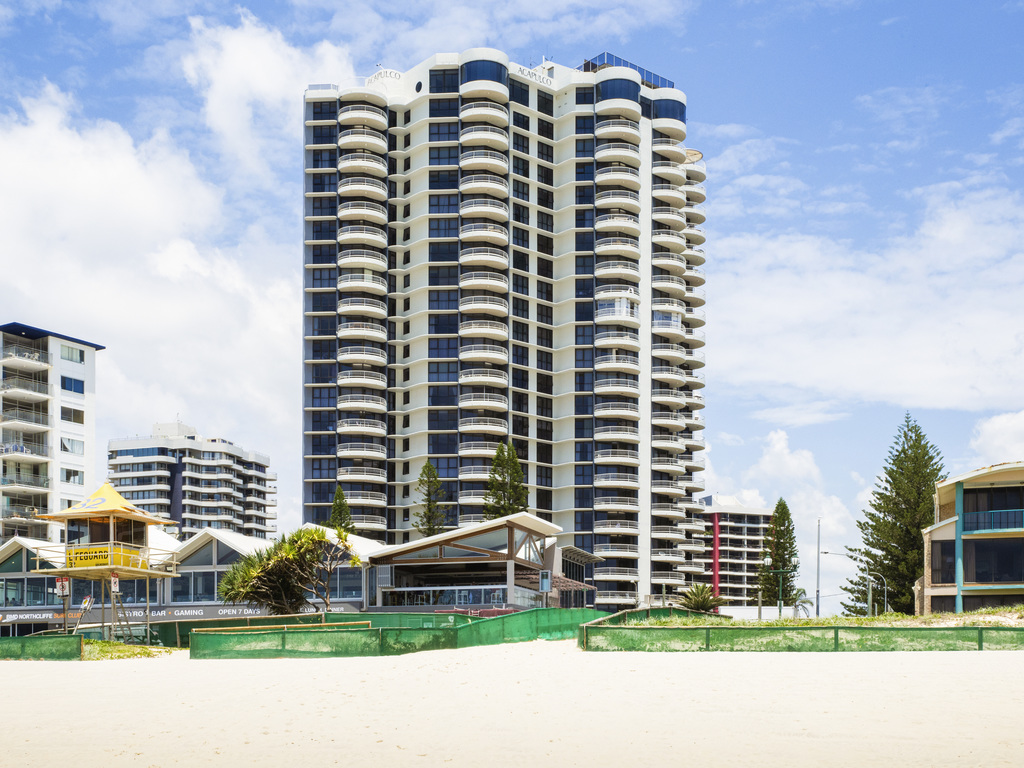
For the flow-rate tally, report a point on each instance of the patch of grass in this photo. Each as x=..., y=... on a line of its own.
x=1008, y=614
x=104, y=650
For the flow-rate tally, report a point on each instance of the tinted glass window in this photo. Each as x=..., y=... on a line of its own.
x=484, y=70
x=618, y=89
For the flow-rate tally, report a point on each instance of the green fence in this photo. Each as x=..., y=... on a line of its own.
x=49, y=648
x=391, y=634
x=599, y=636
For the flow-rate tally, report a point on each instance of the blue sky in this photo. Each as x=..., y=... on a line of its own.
x=865, y=219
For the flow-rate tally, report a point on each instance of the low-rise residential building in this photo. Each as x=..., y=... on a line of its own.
x=974, y=553
x=195, y=482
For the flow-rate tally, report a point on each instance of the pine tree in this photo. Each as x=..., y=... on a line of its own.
x=506, y=494
x=431, y=518
x=901, y=505
x=341, y=515
x=780, y=545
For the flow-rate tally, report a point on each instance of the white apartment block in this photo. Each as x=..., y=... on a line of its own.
x=498, y=252
x=48, y=423
x=736, y=536
x=195, y=482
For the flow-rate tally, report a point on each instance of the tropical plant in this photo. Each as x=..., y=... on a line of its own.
x=901, y=505
x=341, y=515
x=284, y=577
x=801, y=603
x=432, y=516
x=506, y=494
x=701, y=597
x=780, y=545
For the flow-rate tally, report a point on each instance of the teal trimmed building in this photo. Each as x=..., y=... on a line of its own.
x=974, y=553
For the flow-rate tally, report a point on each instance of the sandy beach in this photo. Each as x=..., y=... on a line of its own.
x=540, y=703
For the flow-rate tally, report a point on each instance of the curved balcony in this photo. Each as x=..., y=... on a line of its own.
x=626, y=199
x=363, y=138
x=627, y=130
x=364, y=355
x=691, y=462
x=484, y=136
x=484, y=89
x=366, y=283
x=669, y=533
x=695, y=193
x=692, y=441
x=615, y=598
x=670, y=466
x=477, y=448
x=693, y=483
x=370, y=522
x=627, y=387
x=483, y=257
x=622, y=270
x=362, y=258
x=619, y=175
x=364, y=211
x=667, y=442
x=696, y=171
x=495, y=234
x=617, y=340
x=484, y=207
x=484, y=401
x=693, y=566
x=670, y=149
x=616, y=574
x=364, y=115
x=489, y=305
x=617, y=456
x=616, y=480
x=665, y=555
x=677, y=353
x=483, y=184
x=671, y=511
x=624, y=108
x=371, y=403
x=689, y=545
x=363, y=162
x=361, y=451
x=670, y=172
x=483, y=377
x=617, y=527
x=484, y=353
x=357, y=305
x=694, y=256
x=669, y=238
x=474, y=473
x=362, y=475
x=617, y=434
x=669, y=194
x=360, y=378
x=357, y=234
x=487, y=281
x=483, y=160
x=627, y=223
x=482, y=424
x=485, y=112
x=694, y=235
x=667, y=488
x=673, y=128
x=362, y=427
x=625, y=363
x=363, y=186
x=628, y=551
x=669, y=374
x=672, y=578
x=669, y=216
x=467, y=520
x=693, y=525
x=670, y=284
x=671, y=262
x=695, y=214
x=366, y=499
x=618, y=246
x=626, y=315
x=485, y=329
x=617, y=411
x=671, y=329
x=617, y=152
x=616, y=503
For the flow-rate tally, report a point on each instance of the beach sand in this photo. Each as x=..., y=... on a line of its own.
x=539, y=703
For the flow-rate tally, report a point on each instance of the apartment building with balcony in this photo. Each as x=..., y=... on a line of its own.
x=195, y=482
x=47, y=418
x=495, y=252
x=735, y=537
x=974, y=553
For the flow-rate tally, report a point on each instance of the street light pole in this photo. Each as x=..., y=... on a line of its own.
x=867, y=577
x=885, y=586
x=817, y=575
x=780, y=572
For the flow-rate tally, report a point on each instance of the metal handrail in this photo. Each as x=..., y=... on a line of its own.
x=482, y=397
x=616, y=501
x=20, y=414
x=26, y=353
x=468, y=229
x=617, y=169
x=487, y=105
x=484, y=177
x=363, y=205
x=359, y=301
x=363, y=132
x=617, y=477
x=15, y=447
x=603, y=407
x=362, y=448
x=371, y=351
x=344, y=376
x=364, y=181
x=468, y=327
x=496, y=277
x=344, y=400
x=362, y=423
x=363, y=108
x=618, y=146
x=617, y=382
x=613, y=193
x=372, y=327
x=629, y=266
x=616, y=360
x=483, y=373
x=20, y=382
x=625, y=525
x=478, y=129
x=614, y=430
x=492, y=349
x=18, y=478
x=632, y=242
x=361, y=472
x=618, y=123
x=467, y=253
x=492, y=301
x=616, y=453
x=483, y=202
x=482, y=154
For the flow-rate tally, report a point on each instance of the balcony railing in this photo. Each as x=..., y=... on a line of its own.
x=994, y=520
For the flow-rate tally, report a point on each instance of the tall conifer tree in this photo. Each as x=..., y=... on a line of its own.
x=902, y=504
x=506, y=493
x=341, y=516
x=431, y=518
x=780, y=544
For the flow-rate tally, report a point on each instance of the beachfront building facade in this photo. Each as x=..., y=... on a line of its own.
x=48, y=423
x=974, y=553
x=496, y=252
x=195, y=482
x=735, y=536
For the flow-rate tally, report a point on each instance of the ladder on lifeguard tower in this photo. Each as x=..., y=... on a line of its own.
x=122, y=628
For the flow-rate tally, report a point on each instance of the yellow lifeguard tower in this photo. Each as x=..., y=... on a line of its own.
x=106, y=538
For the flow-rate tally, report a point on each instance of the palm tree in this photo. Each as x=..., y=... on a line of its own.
x=701, y=597
x=801, y=603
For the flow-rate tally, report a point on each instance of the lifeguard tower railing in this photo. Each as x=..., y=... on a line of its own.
x=86, y=559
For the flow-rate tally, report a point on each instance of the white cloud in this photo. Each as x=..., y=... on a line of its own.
x=801, y=414
x=999, y=438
